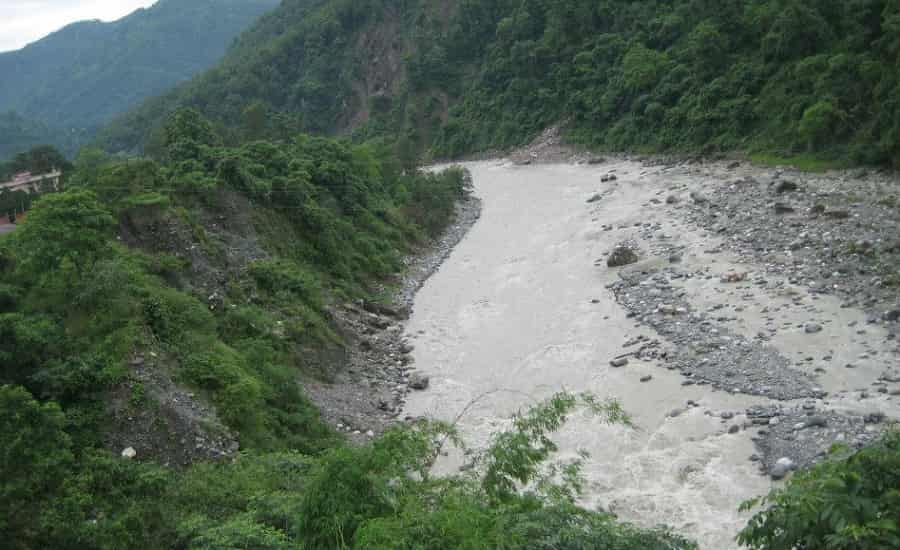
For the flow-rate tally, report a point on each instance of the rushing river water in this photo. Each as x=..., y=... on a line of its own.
x=520, y=311
x=512, y=312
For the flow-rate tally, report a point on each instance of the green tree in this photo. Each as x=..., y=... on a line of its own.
x=818, y=123
x=40, y=160
x=255, y=120
x=67, y=231
x=34, y=460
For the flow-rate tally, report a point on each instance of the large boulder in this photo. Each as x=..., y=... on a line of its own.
x=621, y=255
x=419, y=382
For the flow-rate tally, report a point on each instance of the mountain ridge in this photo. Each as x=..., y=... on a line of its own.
x=789, y=77
x=82, y=75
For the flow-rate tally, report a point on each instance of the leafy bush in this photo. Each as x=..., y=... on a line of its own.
x=851, y=501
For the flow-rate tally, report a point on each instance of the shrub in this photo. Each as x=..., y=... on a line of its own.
x=851, y=501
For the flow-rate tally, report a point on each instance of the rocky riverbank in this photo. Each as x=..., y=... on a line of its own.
x=375, y=375
x=772, y=244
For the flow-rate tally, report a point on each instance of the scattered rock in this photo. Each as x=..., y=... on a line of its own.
x=597, y=197
x=876, y=417
x=672, y=199
x=619, y=362
x=646, y=378
x=735, y=428
x=129, y=453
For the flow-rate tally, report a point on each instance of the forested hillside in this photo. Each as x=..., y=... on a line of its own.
x=78, y=78
x=782, y=76
x=18, y=134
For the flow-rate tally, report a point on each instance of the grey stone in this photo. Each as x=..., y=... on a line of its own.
x=812, y=328
x=781, y=468
x=786, y=186
x=699, y=197
x=620, y=362
x=816, y=422
x=784, y=208
x=419, y=381
x=621, y=256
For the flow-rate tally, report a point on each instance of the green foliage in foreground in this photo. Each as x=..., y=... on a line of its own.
x=376, y=497
x=846, y=503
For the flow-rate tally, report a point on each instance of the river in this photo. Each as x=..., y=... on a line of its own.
x=521, y=311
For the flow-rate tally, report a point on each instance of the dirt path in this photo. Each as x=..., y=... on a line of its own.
x=724, y=378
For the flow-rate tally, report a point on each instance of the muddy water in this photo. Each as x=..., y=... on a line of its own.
x=520, y=311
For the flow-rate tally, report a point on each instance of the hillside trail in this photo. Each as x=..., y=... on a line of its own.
x=526, y=306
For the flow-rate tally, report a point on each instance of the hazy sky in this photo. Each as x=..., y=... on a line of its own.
x=24, y=21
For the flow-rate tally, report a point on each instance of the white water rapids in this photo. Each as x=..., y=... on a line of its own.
x=520, y=309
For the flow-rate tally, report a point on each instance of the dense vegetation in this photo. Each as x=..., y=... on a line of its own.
x=75, y=80
x=783, y=76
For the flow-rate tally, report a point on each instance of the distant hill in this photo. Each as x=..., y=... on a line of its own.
x=78, y=78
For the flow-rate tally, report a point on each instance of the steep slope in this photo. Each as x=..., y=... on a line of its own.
x=88, y=72
x=325, y=66
x=784, y=76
